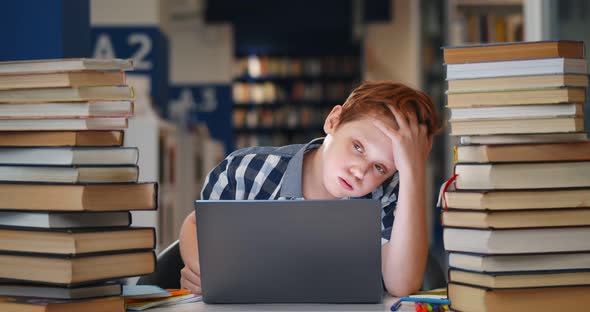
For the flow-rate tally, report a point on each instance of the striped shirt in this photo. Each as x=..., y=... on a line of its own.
x=276, y=173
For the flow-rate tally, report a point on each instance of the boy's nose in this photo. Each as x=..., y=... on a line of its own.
x=358, y=171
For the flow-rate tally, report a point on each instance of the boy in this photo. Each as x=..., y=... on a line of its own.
x=376, y=146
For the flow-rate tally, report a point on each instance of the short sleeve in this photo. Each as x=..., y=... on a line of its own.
x=387, y=222
x=388, y=203
x=218, y=184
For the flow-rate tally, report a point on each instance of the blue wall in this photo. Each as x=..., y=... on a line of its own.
x=38, y=29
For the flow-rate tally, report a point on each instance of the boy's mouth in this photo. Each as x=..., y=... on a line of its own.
x=345, y=184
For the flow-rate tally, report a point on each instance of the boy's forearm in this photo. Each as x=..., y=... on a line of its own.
x=188, y=239
x=404, y=257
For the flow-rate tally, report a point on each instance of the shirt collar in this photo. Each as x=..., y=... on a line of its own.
x=293, y=178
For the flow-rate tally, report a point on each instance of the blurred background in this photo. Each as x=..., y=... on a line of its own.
x=212, y=76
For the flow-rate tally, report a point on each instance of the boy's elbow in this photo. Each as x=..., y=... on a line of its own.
x=402, y=291
x=403, y=288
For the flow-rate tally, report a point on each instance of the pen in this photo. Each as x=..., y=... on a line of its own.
x=396, y=305
x=441, y=300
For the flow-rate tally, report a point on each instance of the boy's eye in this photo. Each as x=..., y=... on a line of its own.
x=358, y=147
x=380, y=168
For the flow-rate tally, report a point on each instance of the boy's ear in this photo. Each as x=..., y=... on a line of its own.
x=332, y=120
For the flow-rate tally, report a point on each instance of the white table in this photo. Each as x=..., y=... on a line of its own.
x=202, y=307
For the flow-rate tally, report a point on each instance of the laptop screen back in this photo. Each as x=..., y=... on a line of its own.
x=290, y=251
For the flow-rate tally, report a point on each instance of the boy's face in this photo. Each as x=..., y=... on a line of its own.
x=357, y=157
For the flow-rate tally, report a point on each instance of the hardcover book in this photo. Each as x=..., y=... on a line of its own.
x=514, y=263
x=64, y=220
x=23, y=304
x=64, y=65
x=97, y=93
x=506, y=200
x=63, y=124
x=519, y=138
x=531, y=175
x=516, y=218
x=517, y=241
x=513, y=51
x=524, y=153
x=69, y=155
x=69, y=174
x=481, y=299
x=518, y=82
x=62, y=79
x=516, y=97
x=545, y=66
x=14, y=289
x=57, y=110
x=78, y=197
x=75, y=270
x=511, y=126
x=520, y=279
x=76, y=241
x=61, y=138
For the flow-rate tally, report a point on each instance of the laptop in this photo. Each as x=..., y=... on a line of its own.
x=290, y=251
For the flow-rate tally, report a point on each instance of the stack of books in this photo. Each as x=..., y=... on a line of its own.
x=67, y=187
x=518, y=224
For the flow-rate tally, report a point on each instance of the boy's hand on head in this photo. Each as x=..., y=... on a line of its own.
x=411, y=142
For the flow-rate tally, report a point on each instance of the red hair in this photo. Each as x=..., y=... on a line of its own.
x=372, y=99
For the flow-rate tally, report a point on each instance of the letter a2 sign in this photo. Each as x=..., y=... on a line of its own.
x=146, y=46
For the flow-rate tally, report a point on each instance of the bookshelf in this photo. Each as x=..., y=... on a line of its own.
x=155, y=138
x=170, y=154
x=179, y=158
x=480, y=21
x=432, y=38
x=476, y=22
x=283, y=99
x=568, y=20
